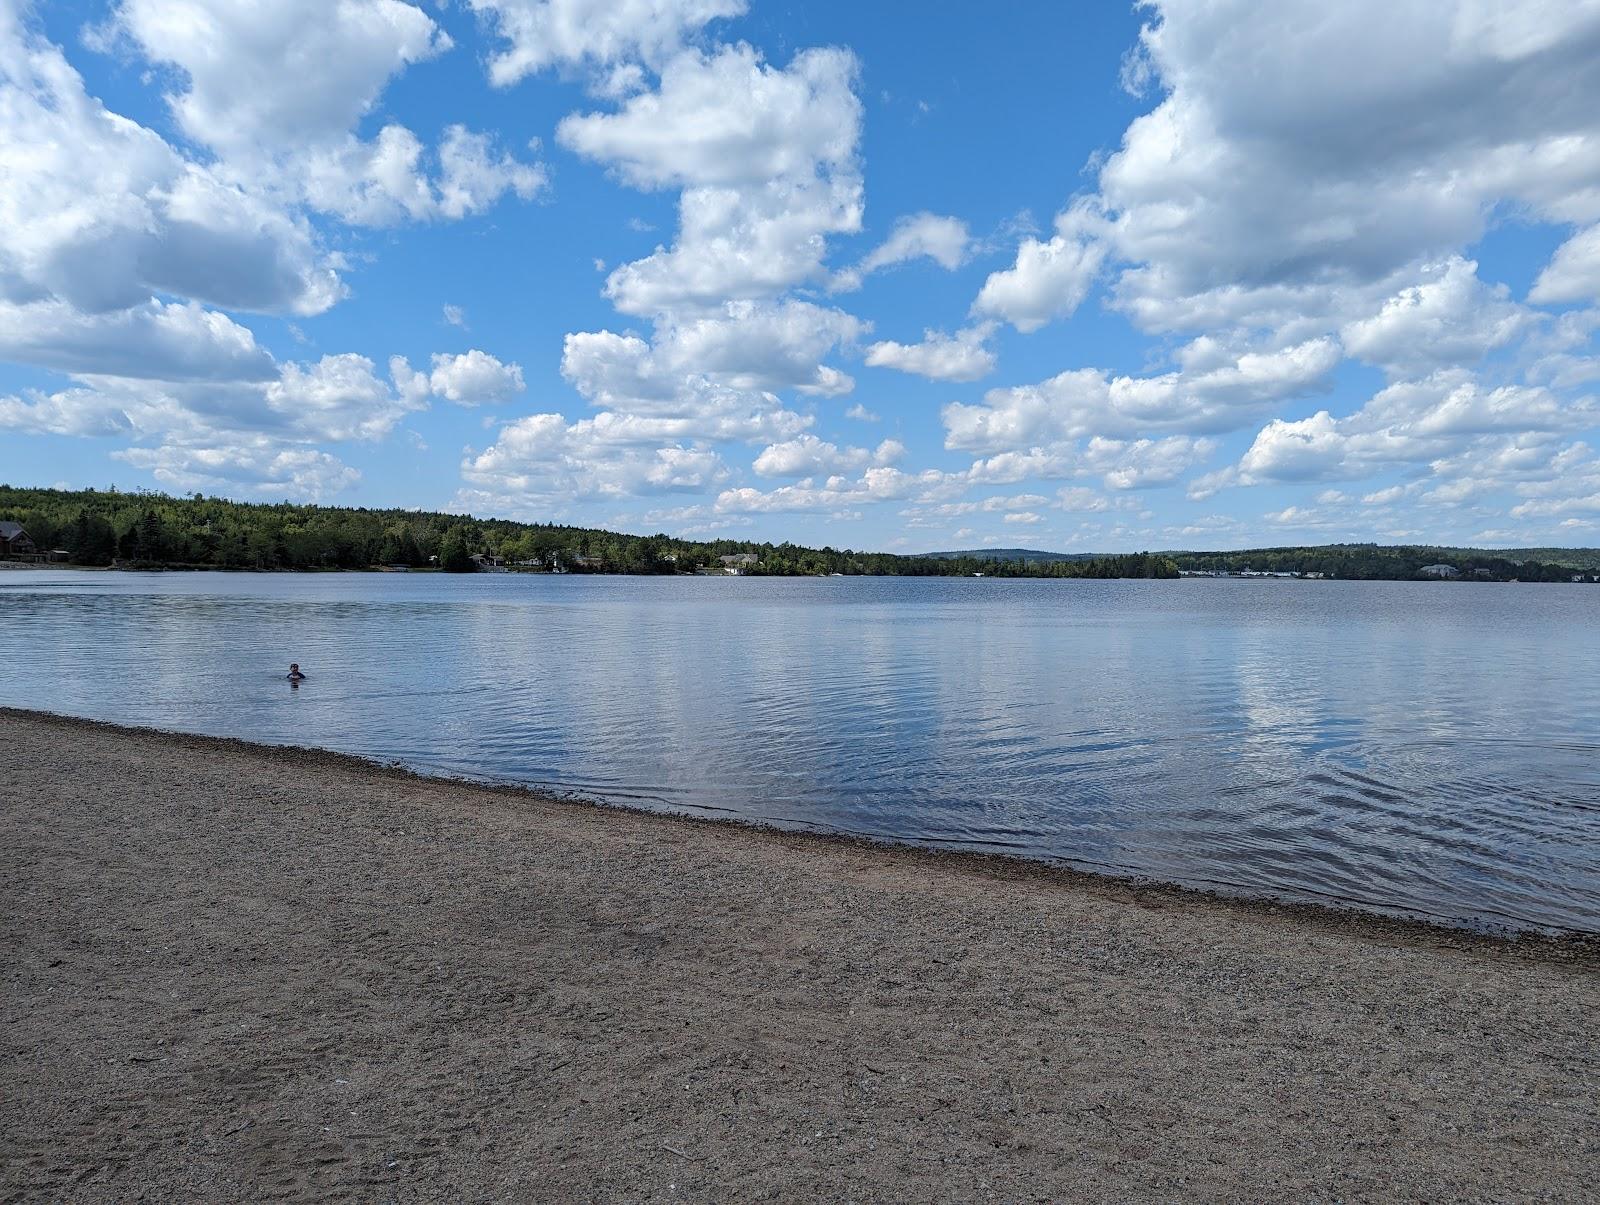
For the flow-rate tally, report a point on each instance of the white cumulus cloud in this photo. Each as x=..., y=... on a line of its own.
x=963, y=356
x=808, y=456
x=942, y=239
x=1049, y=278
x=615, y=34
x=474, y=378
x=275, y=91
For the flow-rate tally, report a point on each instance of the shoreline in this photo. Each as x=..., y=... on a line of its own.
x=234, y=972
x=515, y=571
x=1561, y=945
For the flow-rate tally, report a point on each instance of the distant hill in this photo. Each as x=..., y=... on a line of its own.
x=1578, y=558
x=1026, y=555
x=146, y=529
x=1396, y=561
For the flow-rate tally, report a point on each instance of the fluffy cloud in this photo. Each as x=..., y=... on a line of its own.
x=768, y=345
x=267, y=471
x=192, y=433
x=171, y=341
x=1049, y=279
x=473, y=175
x=474, y=378
x=118, y=243
x=599, y=33
x=919, y=236
x=1565, y=484
x=1214, y=391
x=271, y=75
x=765, y=161
x=728, y=119
x=1293, y=147
x=962, y=356
x=808, y=456
x=827, y=488
x=1296, y=194
x=1449, y=318
x=386, y=181
x=544, y=457
x=1573, y=273
x=1446, y=417
x=1500, y=489
x=337, y=398
x=765, y=158
x=938, y=515
x=275, y=90
x=1144, y=463
x=712, y=366
x=80, y=412
x=1081, y=499
x=101, y=213
x=1307, y=193
x=839, y=495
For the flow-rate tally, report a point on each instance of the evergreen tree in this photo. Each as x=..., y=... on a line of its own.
x=454, y=554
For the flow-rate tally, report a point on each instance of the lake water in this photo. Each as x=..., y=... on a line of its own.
x=1423, y=748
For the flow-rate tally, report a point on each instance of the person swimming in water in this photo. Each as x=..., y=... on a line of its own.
x=294, y=672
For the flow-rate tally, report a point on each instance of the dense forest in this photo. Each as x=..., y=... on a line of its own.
x=146, y=530
x=1401, y=562
x=1016, y=554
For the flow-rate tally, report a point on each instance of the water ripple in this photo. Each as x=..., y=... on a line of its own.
x=1414, y=748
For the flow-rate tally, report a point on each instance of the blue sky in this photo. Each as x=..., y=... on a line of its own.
x=1197, y=274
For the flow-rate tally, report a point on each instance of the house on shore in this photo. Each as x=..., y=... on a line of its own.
x=15, y=543
x=739, y=563
x=1443, y=572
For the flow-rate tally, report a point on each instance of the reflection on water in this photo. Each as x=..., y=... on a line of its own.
x=1424, y=747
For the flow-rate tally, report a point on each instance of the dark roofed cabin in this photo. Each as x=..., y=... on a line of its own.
x=14, y=540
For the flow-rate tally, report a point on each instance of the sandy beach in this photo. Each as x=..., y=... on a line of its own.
x=240, y=973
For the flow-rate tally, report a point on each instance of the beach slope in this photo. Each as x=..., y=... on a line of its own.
x=236, y=973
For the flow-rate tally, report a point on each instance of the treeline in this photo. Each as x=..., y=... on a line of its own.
x=1377, y=562
x=1133, y=564
x=144, y=530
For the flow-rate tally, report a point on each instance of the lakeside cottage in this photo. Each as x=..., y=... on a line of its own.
x=1440, y=571
x=15, y=543
x=739, y=563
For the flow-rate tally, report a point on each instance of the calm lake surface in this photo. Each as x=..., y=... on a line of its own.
x=1428, y=748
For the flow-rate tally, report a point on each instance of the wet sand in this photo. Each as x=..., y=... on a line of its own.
x=239, y=973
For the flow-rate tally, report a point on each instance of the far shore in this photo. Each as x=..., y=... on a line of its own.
x=510, y=571
x=235, y=971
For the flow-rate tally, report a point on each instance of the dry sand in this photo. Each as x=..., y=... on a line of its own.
x=236, y=973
